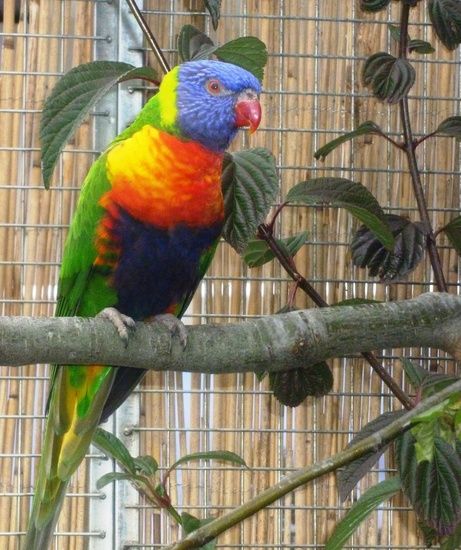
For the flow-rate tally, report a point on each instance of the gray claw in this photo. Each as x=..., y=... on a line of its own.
x=174, y=325
x=120, y=321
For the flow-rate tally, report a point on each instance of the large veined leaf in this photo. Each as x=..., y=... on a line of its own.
x=247, y=52
x=415, y=373
x=390, y=78
x=368, y=127
x=223, y=456
x=347, y=194
x=433, y=487
x=291, y=387
x=72, y=99
x=374, y=5
x=446, y=19
x=250, y=185
x=410, y=243
x=366, y=504
x=348, y=477
x=194, y=44
x=214, y=9
x=453, y=231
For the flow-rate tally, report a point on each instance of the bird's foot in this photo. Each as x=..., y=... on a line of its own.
x=174, y=325
x=121, y=322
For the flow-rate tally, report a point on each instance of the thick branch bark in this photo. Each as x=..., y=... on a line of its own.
x=278, y=342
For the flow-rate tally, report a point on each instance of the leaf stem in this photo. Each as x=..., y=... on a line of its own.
x=265, y=233
x=410, y=146
x=149, y=35
x=300, y=477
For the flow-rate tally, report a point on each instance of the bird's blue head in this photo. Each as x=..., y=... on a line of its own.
x=213, y=100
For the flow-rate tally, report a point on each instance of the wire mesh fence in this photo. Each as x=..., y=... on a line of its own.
x=312, y=92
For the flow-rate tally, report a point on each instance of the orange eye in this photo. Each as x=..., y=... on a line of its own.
x=214, y=87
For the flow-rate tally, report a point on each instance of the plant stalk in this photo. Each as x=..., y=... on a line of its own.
x=409, y=148
x=149, y=35
x=300, y=477
x=266, y=234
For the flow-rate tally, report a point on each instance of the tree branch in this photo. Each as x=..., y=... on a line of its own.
x=210, y=531
x=278, y=342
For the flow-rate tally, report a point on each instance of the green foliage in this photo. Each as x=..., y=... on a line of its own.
x=348, y=477
x=453, y=231
x=291, y=387
x=374, y=5
x=247, y=51
x=414, y=45
x=433, y=486
x=415, y=373
x=258, y=253
x=347, y=194
x=194, y=44
x=446, y=19
x=191, y=523
x=409, y=247
x=114, y=448
x=72, y=99
x=368, y=127
x=214, y=9
x=451, y=126
x=223, y=456
x=366, y=504
x=250, y=185
x=390, y=78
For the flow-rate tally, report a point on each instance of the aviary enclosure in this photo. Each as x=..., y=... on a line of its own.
x=313, y=92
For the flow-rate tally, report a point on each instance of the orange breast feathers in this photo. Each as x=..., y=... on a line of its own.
x=162, y=180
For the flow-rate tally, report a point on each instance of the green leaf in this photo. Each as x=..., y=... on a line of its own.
x=395, y=32
x=451, y=126
x=146, y=464
x=368, y=127
x=116, y=476
x=436, y=382
x=433, y=487
x=247, y=52
x=420, y=46
x=250, y=185
x=214, y=9
x=415, y=374
x=453, y=231
x=347, y=194
x=453, y=542
x=446, y=19
x=374, y=5
x=114, y=448
x=390, y=78
x=291, y=387
x=258, y=253
x=72, y=99
x=348, y=477
x=223, y=456
x=191, y=523
x=408, y=251
x=366, y=504
x=194, y=44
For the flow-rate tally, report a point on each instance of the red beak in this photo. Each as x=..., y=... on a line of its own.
x=248, y=114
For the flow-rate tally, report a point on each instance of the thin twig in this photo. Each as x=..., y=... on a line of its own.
x=300, y=477
x=266, y=234
x=410, y=145
x=149, y=35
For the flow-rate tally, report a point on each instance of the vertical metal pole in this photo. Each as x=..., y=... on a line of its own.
x=114, y=514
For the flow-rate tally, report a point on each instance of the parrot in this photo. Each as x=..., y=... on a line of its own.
x=145, y=229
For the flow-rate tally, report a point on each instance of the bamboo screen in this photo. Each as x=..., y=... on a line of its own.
x=312, y=92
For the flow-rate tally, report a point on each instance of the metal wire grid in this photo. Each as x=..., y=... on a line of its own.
x=295, y=33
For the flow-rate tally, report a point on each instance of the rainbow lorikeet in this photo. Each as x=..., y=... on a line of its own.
x=144, y=232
